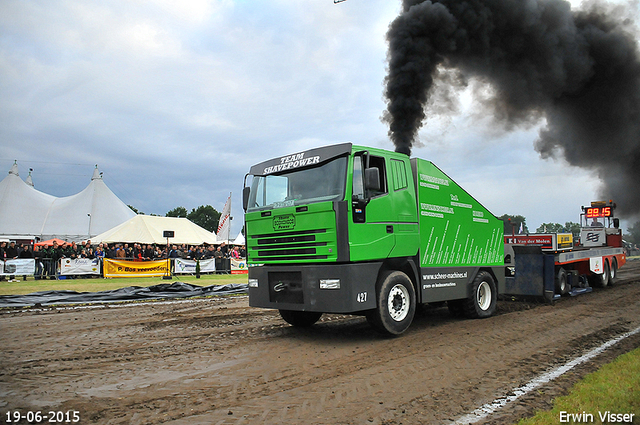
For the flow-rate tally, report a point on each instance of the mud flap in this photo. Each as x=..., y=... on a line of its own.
x=534, y=274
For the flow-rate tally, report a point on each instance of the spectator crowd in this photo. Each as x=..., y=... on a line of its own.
x=47, y=257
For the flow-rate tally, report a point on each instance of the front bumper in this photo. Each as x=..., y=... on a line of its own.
x=298, y=288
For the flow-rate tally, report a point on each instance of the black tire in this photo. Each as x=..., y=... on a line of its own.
x=483, y=298
x=396, y=304
x=562, y=287
x=613, y=276
x=300, y=319
x=601, y=280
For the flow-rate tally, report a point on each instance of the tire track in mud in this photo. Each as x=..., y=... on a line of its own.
x=223, y=362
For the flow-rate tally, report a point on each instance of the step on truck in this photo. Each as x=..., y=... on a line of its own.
x=355, y=230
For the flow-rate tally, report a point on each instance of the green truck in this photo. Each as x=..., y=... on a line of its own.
x=356, y=230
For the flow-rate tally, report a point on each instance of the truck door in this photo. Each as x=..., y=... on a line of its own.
x=371, y=230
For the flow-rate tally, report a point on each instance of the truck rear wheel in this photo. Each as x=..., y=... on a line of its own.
x=483, y=298
x=300, y=319
x=396, y=304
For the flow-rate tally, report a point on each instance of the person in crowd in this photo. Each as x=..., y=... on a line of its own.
x=3, y=248
x=128, y=252
x=148, y=253
x=11, y=253
x=175, y=252
x=99, y=253
x=208, y=253
x=235, y=254
x=121, y=253
x=136, y=254
x=159, y=253
x=225, y=249
x=109, y=250
x=243, y=251
x=71, y=251
x=38, y=255
x=54, y=254
x=25, y=253
x=184, y=250
x=218, y=258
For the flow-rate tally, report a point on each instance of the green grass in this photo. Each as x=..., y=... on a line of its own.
x=614, y=388
x=99, y=284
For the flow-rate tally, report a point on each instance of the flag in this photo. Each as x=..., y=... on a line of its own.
x=223, y=224
x=521, y=229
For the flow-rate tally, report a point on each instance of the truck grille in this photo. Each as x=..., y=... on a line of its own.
x=298, y=245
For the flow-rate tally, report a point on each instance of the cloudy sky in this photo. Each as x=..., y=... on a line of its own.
x=175, y=100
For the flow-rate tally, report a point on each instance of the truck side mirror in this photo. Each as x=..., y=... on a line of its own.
x=616, y=223
x=372, y=178
x=245, y=197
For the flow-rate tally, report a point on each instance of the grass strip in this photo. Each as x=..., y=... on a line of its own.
x=609, y=395
x=99, y=284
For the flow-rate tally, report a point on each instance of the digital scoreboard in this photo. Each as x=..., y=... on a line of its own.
x=598, y=212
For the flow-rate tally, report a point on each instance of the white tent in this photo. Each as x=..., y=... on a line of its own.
x=239, y=240
x=149, y=229
x=26, y=213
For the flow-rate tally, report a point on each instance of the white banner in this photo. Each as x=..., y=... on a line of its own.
x=69, y=266
x=239, y=266
x=19, y=266
x=181, y=266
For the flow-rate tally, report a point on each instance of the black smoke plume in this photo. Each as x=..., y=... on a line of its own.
x=580, y=70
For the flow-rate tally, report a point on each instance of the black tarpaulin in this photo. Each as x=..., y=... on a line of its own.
x=155, y=292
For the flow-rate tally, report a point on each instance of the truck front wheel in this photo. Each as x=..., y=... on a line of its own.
x=483, y=298
x=396, y=304
x=300, y=319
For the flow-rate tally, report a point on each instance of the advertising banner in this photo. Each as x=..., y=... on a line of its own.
x=189, y=266
x=79, y=266
x=239, y=266
x=18, y=266
x=456, y=229
x=118, y=268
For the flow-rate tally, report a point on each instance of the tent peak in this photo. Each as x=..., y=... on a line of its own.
x=97, y=175
x=14, y=168
x=29, y=181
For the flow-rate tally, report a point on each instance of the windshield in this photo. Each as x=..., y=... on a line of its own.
x=302, y=186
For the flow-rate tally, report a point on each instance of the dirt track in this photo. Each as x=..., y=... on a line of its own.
x=217, y=361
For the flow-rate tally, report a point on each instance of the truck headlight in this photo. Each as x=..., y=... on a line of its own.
x=329, y=283
x=253, y=283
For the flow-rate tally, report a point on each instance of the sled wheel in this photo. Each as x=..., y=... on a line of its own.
x=300, y=319
x=562, y=287
x=601, y=280
x=613, y=272
x=396, y=304
x=483, y=298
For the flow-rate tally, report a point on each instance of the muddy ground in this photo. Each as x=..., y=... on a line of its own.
x=217, y=361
